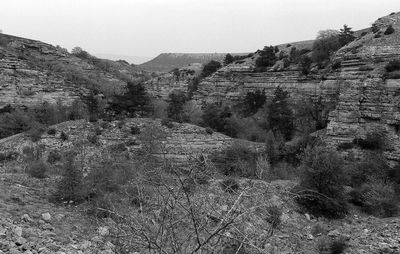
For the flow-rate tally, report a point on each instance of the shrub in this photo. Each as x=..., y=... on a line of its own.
x=373, y=141
x=393, y=65
x=321, y=183
x=336, y=65
x=167, y=122
x=274, y=216
x=53, y=157
x=345, y=146
x=135, y=130
x=63, y=136
x=93, y=138
x=176, y=101
x=363, y=34
x=230, y=185
x=374, y=28
x=70, y=186
x=37, y=169
x=376, y=197
x=389, y=30
x=210, y=68
x=51, y=131
x=393, y=75
x=36, y=131
x=328, y=246
x=6, y=156
x=378, y=35
x=209, y=131
x=236, y=159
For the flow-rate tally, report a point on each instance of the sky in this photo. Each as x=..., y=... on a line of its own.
x=150, y=27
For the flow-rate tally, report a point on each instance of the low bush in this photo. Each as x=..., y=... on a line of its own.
x=326, y=245
x=37, y=169
x=167, y=122
x=336, y=65
x=53, y=157
x=7, y=156
x=389, y=30
x=230, y=185
x=237, y=160
x=93, y=138
x=209, y=131
x=51, y=131
x=63, y=136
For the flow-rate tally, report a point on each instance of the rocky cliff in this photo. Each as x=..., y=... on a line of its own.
x=32, y=72
x=368, y=99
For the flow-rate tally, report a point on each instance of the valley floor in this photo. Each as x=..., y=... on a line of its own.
x=31, y=224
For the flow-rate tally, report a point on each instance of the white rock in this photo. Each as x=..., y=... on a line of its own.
x=310, y=237
x=103, y=231
x=18, y=231
x=308, y=217
x=46, y=216
x=26, y=218
x=334, y=233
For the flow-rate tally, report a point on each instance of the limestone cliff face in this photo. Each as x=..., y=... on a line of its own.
x=32, y=72
x=368, y=102
x=162, y=85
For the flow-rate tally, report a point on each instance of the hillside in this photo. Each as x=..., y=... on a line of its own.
x=168, y=61
x=33, y=72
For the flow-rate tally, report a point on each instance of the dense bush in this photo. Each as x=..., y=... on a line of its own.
x=321, y=183
x=305, y=64
x=389, y=30
x=237, y=160
x=210, y=68
x=326, y=43
x=253, y=101
x=281, y=115
x=53, y=157
x=267, y=58
x=176, y=101
x=331, y=246
x=167, y=122
x=217, y=117
x=373, y=141
x=135, y=101
x=393, y=65
x=70, y=187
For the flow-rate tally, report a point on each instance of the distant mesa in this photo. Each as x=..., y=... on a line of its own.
x=167, y=61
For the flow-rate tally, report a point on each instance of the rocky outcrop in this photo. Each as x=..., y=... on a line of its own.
x=177, y=143
x=33, y=72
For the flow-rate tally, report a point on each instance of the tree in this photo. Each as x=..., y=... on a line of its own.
x=253, y=101
x=93, y=106
x=267, y=57
x=326, y=43
x=228, y=59
x=305, y=64
x=175, y=106
x=218, y=118
x=280, y=117
x=210, y=68
x=135, y=101
x=79, y=52
x=346, y=35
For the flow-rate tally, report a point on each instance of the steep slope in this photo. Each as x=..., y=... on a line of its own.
x=168, y=61
x=32, y=72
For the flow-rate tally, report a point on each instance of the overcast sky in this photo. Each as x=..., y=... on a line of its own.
x=150, y=27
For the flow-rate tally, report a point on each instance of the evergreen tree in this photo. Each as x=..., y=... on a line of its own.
x=175, y=106
x=346, y=35
x=135, y=101
x=210, y=68
x=253, y=101
x=267, y=57
x=228, y=59
x=280, y=117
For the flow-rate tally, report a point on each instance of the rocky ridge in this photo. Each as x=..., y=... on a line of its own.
x=33, y=72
